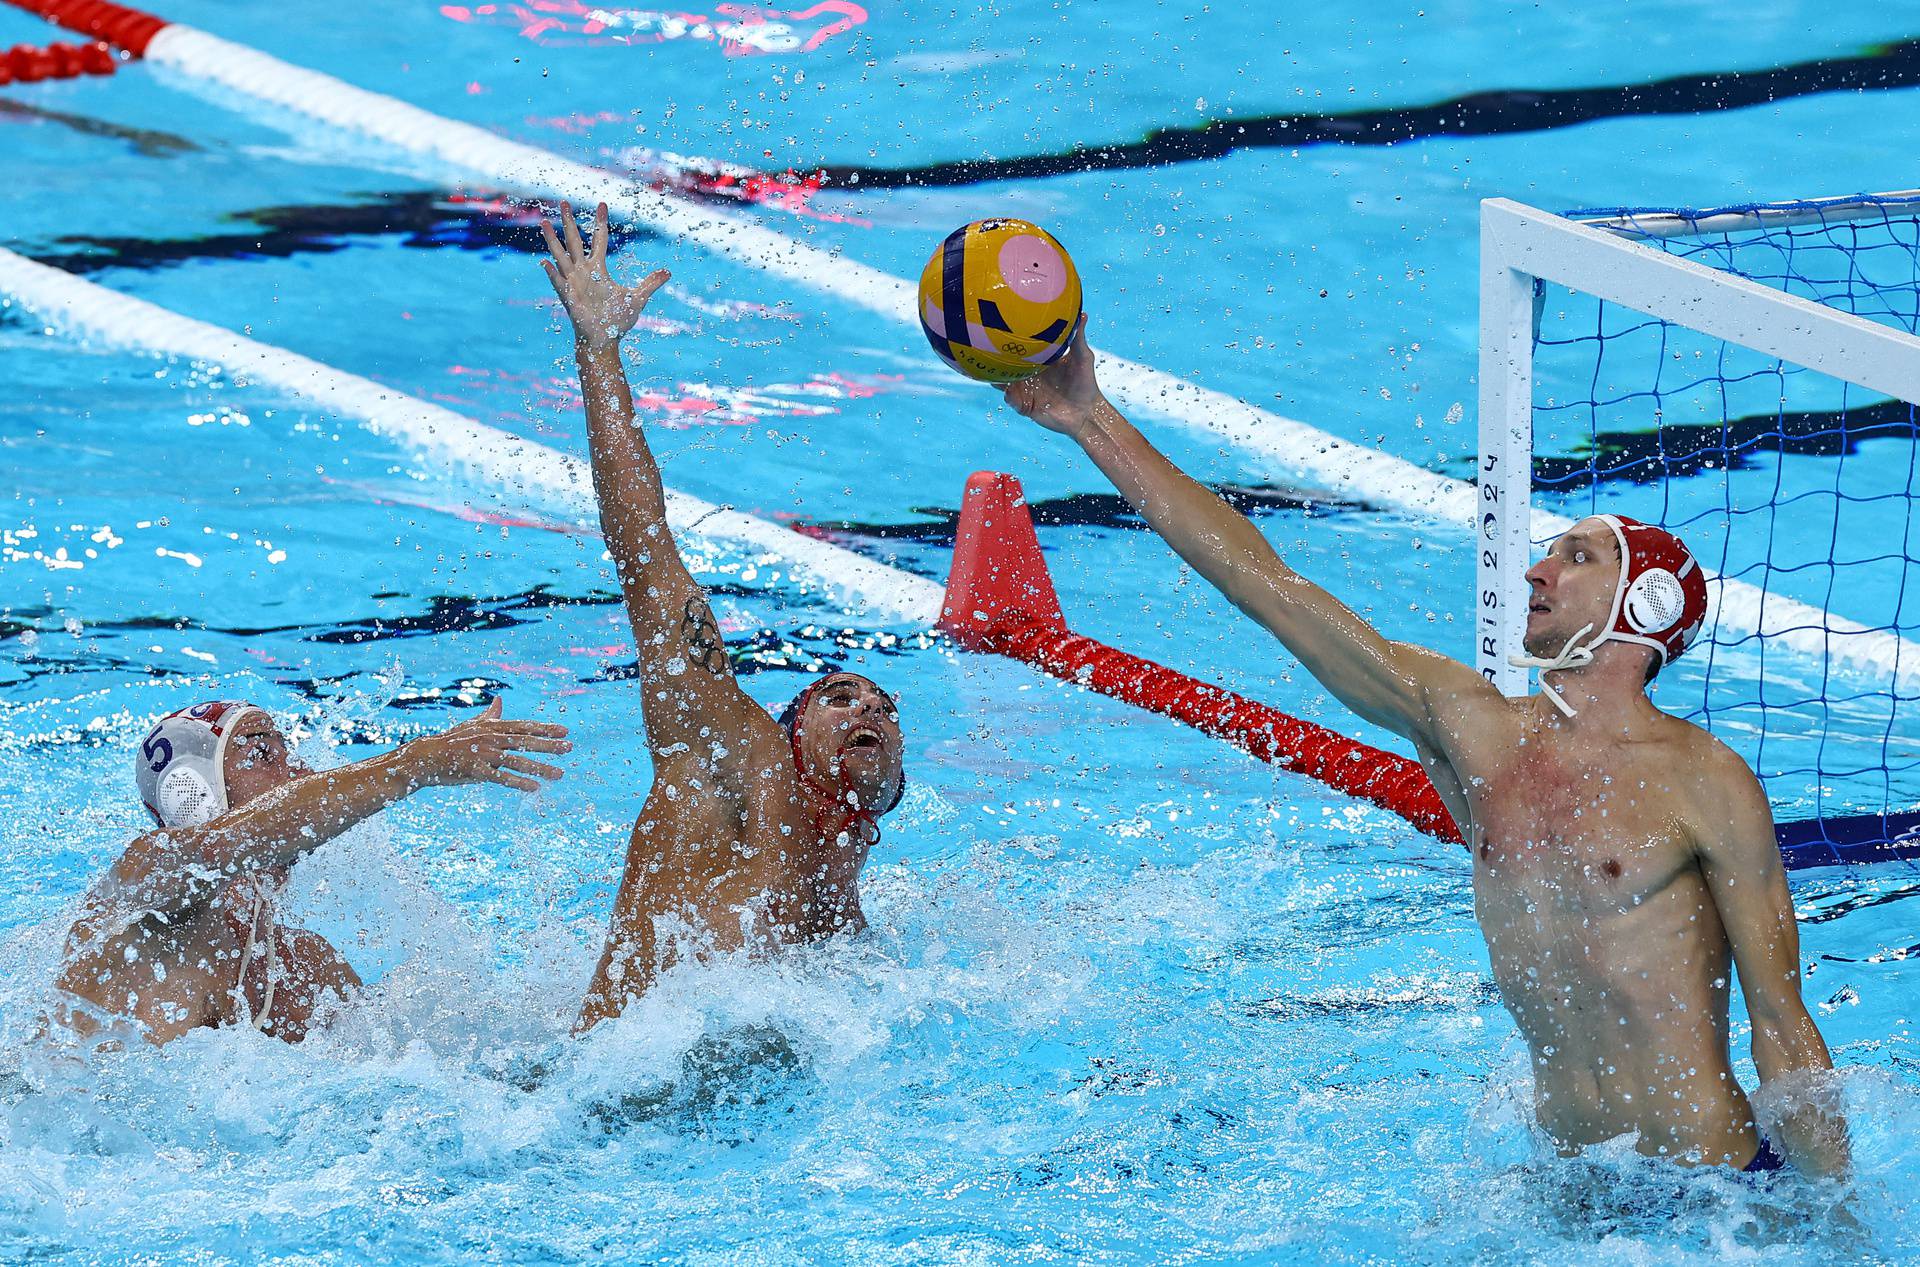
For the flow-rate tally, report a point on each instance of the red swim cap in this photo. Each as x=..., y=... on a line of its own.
x=1661, y=600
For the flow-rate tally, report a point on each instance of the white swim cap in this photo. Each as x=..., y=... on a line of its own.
x=180, y=768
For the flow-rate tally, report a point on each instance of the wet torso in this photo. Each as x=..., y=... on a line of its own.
x=1602, y=934
x=174, y=975
x=724, y=869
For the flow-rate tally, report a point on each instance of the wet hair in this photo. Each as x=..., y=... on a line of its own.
x=797, y=706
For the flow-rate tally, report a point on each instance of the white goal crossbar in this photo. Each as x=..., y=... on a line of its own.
x=1520, y=245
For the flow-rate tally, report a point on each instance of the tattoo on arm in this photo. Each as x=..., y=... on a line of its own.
x=705, y=647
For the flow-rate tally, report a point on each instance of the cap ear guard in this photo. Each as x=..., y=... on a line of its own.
x=1662, y=599
x=186, y=798
x=1655, y=602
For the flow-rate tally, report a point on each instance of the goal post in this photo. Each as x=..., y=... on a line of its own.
x=1521, y=246
x=1719, y=372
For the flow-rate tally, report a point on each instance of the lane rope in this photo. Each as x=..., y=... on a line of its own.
x=1300, y=451
x=525, y=469
x=1355, y=472
x=26, y=64
x=1001, y=601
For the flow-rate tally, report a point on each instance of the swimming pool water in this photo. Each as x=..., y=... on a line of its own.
x=1128, y=996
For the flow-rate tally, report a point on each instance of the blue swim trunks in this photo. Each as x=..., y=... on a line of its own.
x=1764, y=1161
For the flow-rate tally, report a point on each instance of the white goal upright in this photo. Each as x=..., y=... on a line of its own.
x=1744, y=377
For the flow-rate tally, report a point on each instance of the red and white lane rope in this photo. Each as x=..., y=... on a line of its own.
x=1283, y=445
x=525, y=473
x=1346, y=765
x=1001, y=601
x=126, y=29
x=26, y=64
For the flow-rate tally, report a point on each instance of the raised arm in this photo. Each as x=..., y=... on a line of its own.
x=1734, y=839
x=173, y=868
x=692, y=704
x=1388, y=683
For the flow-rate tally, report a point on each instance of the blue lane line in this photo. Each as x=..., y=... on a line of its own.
x=1850, y=841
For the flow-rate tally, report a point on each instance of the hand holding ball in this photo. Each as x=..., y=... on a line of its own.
x=999, y=301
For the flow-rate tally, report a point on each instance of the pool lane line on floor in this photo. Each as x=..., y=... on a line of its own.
x=430, y=219
x=1495, y=112
x=516, y=467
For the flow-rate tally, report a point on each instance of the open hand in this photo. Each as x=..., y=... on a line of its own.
x=487, y=750
x=602, y=309
x=1064, y=396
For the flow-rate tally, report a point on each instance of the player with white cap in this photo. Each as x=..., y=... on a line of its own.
x=1624, y=863
x=181, y=933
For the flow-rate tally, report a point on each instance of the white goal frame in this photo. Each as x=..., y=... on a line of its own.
x=1520, y=245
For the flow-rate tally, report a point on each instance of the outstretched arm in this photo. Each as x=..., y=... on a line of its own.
x=692, y=704
x=174, y=868
x=1741, y=861
x=1386, y=682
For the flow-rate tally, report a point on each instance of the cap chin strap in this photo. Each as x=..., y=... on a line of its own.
x=247, y=1016
x=855, y=812
x=1570, y=657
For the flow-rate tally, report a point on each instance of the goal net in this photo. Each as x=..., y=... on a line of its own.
x=1743, y=377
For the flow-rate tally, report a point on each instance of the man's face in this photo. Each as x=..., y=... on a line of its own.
x=849, y=738
x=1573, y=586
x=257, y=760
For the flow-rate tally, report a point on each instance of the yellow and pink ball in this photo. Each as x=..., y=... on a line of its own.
x=1000, y=300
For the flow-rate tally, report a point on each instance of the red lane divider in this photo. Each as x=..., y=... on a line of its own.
x=25, y=64
x=1001, y=601
x=124, y=28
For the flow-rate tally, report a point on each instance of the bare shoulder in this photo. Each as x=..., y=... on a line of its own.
x=1709, y=763
x=1720, y=797
x=767, y=752
x=1456, y=696
x=119, y=898
x=95, y=938
x=150, y=859
x=727, y=758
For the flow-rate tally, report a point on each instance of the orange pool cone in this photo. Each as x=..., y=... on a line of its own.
x=1001, y=601
x=998, y=573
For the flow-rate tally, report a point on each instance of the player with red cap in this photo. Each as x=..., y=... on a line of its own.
x=754, y=832
x=1624, y=864
x=1659, y=602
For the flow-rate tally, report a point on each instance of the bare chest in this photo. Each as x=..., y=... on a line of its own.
x=763, y=865
x=1573, y=831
